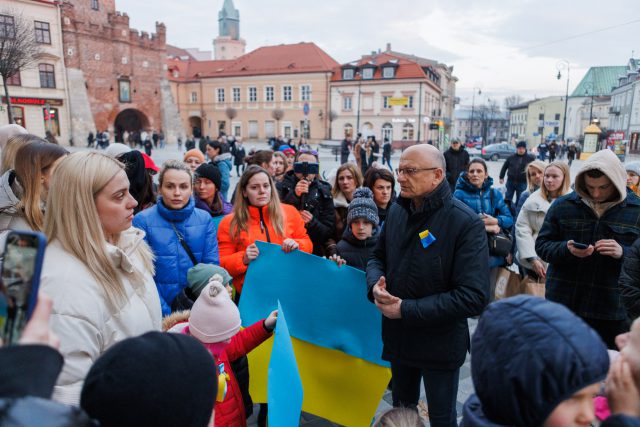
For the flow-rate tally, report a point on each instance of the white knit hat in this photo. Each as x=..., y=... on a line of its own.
x=214, y=317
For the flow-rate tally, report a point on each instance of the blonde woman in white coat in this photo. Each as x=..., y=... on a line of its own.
x=97, y=268
x=555, y=183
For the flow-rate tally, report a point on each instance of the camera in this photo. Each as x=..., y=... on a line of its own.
x=306, y=168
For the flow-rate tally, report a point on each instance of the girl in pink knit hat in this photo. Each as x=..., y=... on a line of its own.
x=214, y=320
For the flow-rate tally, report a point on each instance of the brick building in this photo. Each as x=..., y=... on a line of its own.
x=116, y=75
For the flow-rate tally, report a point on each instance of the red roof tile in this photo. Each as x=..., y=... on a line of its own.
x=281, y=59
x=407, y=68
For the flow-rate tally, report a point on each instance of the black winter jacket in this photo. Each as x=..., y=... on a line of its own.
x=516, y=166
x=27, y=376
x=318, y=202
x=441, y=285
x=621, y=421
x=629, y=281
x=357, y=252
x=457, y=162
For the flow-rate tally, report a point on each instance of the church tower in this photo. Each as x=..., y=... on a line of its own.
x=228, y=44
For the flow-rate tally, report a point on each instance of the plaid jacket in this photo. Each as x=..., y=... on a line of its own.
x=588, y=286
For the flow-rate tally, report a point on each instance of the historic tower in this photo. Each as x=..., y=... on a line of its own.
x=228, y=44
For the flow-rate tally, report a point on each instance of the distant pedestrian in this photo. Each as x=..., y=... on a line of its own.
x=155, y=137
x=386, y=153
x=161, y=139
x=239, y=153
x=90, y=140
x=543, y=148
x=572, y=152
x=457, y=158
x=553, y=150
x=147, y=147
x=427, y=275
x=515, y=169
x=345, y=149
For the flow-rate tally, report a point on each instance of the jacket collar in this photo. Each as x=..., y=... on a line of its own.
x=464, y=184
x=254, y=212
x=175, y=215
x=127, y=244
x=430, y=202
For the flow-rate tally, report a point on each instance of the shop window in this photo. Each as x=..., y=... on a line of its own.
x=51, y=120
x=18, y=115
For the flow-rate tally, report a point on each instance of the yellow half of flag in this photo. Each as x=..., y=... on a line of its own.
x=338, y=387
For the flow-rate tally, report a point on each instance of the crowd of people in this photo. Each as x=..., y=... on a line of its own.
x=129, y=257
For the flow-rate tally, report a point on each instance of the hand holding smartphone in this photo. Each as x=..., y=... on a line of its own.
x=578, y=245
x=21, y=267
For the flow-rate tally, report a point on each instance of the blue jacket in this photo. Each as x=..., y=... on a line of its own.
x=224, y=164
x=529, y=355
x=485, y=200
x=171, y=260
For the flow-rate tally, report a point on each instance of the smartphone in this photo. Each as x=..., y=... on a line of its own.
x=578, y=245
x=21, y=267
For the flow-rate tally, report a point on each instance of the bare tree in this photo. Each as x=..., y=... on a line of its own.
x=512, y=100
x=231, y=113
x=18, y=49
x=277, y=115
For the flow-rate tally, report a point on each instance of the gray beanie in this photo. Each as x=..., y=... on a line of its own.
x=363, y=206
x=633, y=167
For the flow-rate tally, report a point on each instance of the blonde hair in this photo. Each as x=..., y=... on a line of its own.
x=174, y=165
x=11, y=148
x=538, y=164
x=241, y=205
x=355, y=171
x=32, y=161
x=72, y=219
x=566, y=180
x=399, y=417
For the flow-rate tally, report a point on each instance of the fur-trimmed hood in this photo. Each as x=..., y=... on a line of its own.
x=176, y=321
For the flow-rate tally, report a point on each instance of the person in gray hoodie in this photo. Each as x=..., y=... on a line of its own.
x=585, y=237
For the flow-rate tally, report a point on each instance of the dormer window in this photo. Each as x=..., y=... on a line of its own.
x=347, y=74
x=388, y=72
x=367, y=73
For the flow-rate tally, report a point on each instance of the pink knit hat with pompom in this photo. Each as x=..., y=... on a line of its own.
x=214, y=317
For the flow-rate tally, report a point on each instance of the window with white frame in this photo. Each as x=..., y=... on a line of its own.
x=194, y=97
x=367, y=73
x=305, y=93
x=286, y=93
x=347, y=74
x=347, y=103
x=388, y=72
x=236, y=94
x=253, y=94
x=220, y=94
x=269, y=94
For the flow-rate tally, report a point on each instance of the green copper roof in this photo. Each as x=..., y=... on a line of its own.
x=599, y=81
x=229, y=11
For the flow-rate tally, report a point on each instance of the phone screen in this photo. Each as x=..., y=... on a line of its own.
x=16, y=299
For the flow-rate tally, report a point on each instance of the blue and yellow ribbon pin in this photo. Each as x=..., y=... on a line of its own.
x=426, y=238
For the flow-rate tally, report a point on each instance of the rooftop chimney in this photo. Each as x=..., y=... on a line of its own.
x=388, y=47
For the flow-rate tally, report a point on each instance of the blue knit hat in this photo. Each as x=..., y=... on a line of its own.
x=363, y=206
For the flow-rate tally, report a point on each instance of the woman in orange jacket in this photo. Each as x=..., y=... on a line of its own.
x=257, y=215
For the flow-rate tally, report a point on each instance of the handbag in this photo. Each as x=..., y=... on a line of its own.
x=500, y=244
x=507, y=284
x=531, y=286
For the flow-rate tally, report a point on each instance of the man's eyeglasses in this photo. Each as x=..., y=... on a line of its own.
x=412, y=171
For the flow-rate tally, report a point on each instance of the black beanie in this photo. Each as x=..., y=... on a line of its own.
x=157, y=379
x=210, y=172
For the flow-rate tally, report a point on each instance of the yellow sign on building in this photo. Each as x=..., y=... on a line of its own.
x=398, y=101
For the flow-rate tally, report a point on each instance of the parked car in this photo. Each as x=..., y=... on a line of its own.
x=497, y=151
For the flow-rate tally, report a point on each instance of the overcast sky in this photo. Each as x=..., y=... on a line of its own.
x=504, y=47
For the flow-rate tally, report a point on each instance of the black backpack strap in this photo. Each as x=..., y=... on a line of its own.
x=184, y=244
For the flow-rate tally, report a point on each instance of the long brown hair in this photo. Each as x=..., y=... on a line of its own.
x=355, y=171
x=32, y=162
x=240, y=219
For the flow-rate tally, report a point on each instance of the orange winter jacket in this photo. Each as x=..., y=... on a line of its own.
x=231, y=250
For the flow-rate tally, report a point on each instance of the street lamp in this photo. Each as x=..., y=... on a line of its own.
x=357, y=74
x=561, y=65
x=473, y=102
